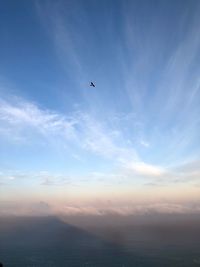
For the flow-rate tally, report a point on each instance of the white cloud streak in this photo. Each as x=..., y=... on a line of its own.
x=26, y=119
x=79, y=128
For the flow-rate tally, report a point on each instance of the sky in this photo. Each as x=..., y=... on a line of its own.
x=129, y=145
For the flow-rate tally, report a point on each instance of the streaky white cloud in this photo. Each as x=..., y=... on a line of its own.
x=168, y=107
x=64, y=38
x=24, y=114
x=144, y=143
x=144, y=169
x=78, y=128
x=39, y=178
x=55, y=180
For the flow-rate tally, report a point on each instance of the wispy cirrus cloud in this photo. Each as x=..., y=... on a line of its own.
x=24, y=114
x=161, y=78
x=66, y=41
x=78, y=128
x=92, y=136
x=156, y=84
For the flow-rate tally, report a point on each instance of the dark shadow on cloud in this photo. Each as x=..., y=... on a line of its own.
x=100, y=241
x=47, y=241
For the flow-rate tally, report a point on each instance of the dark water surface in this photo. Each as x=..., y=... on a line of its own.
x=52, y=242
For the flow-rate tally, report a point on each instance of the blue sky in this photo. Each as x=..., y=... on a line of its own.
x=137, y=130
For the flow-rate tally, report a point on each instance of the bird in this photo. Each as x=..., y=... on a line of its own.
x=92, y=84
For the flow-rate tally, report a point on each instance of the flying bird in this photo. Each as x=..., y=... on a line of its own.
x=91, y=84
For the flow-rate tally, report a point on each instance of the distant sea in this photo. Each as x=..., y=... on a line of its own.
x=100, y=242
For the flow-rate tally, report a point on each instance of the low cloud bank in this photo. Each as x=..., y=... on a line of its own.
x=45, y=209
